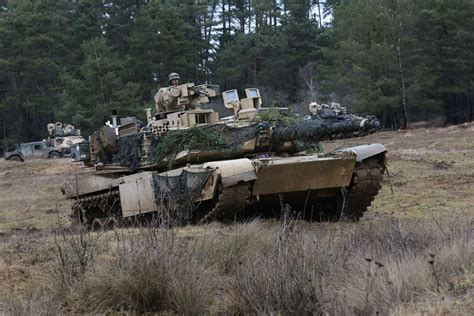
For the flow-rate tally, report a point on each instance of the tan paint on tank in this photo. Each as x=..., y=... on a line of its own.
x=291, y=175
x=233, y=171
x=137, y=195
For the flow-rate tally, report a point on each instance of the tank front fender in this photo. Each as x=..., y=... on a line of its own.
x=365, y=151
x=296, y=174
x=233, y=171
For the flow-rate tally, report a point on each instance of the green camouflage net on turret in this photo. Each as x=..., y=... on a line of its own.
x=173, y=142
x=276, y=115
x=221, y=138
x=227, y=140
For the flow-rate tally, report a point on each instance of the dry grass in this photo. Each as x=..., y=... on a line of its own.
x=413, y=253
x=29, y=194
x=431, y=172
x=262, y=268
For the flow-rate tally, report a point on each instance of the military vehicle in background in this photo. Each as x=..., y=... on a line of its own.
x=189, y=166
x=61, y=137
x=32, y=149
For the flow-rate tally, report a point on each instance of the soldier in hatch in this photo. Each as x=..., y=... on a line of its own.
x=166, y=98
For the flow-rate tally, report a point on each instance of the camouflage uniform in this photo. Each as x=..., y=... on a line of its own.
x=167, y=98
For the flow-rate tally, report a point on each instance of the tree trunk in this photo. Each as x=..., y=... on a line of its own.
x=402, y=74
x=224, y=27
x=250, y=16
x=402, y=79
x=470, y=105
x=395, y=118
x=454, y=111
x=319, y=14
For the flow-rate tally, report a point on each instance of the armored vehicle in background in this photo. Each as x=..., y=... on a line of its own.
x=23, y=150
x=189, y=166
x=61, y=137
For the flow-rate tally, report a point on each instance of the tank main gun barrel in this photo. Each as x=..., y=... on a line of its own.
x=317, y=129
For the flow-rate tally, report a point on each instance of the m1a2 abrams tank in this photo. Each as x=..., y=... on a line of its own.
x=188, y=166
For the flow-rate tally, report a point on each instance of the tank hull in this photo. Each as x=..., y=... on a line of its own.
x=340, y=184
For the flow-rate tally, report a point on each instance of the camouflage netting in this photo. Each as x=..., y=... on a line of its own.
x=317, y=129
x=282, y=117
x=306, y=131
x=176, y=194
x=129, y=151
x=227, y=139
x=221, y=138
x=349, y=125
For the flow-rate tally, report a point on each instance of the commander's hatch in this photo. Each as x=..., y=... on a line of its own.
x=246, y=108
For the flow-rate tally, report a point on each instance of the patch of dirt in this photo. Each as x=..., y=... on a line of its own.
x=30, y=195
x=431, y=171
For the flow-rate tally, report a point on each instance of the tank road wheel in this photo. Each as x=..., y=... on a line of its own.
x=365, y=185
x=77, y=214
x=229, y=202
x=97, y=224
x=105, y=207
x=111, y=223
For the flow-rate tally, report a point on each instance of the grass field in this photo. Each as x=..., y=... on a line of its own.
x=412, y=253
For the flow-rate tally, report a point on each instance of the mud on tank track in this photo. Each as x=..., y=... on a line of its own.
x=230, y=201
x=365, y=185
x=100, y=206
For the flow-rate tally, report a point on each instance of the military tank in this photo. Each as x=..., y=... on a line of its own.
x=188, y=166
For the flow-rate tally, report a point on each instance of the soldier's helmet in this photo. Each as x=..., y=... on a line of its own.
x=173, y=76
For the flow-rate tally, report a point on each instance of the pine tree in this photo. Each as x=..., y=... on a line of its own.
x=446, y=34
x=36, y=47
x=167, y=39
x=101, y=89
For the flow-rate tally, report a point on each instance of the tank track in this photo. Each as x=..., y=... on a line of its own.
x=365, y=185
x=230, y=201
x=86, y=209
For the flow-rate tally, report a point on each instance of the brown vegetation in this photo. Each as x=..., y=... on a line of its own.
x=261, y=268
x=412, y=253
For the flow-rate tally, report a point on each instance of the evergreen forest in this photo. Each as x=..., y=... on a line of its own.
x=76, y=61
